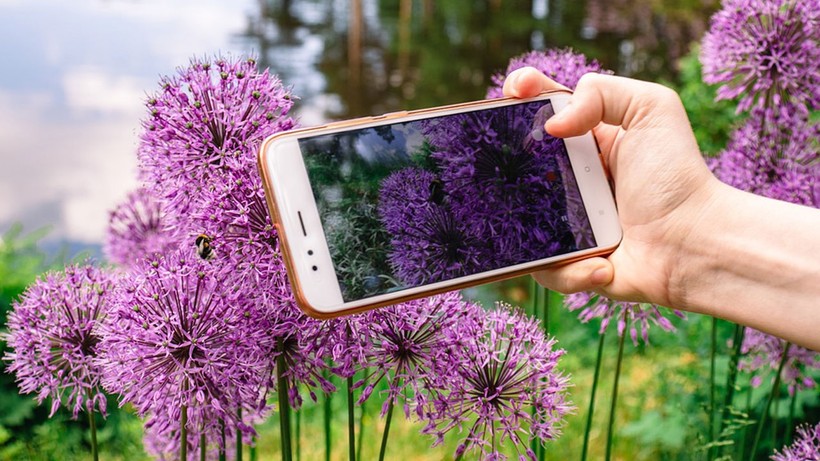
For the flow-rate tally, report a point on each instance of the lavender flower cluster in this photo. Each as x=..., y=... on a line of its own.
x=766, y=54
x=197, y=325
x=496, y=197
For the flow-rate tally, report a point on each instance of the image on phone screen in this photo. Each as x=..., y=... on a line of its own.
x=413, y=203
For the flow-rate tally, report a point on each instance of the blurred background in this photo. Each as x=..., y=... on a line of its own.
x=76, y=74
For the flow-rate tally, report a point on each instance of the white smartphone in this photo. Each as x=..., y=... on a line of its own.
x=384, y=209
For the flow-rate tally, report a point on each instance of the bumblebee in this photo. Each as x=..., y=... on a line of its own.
x=204, y=248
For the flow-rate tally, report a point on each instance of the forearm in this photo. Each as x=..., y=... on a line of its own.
x=753, y=261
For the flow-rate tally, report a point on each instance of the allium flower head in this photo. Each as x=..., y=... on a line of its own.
x=775, y=154
x=209, y=118
x=505, y=180
x=181, y=334
x=503, y=366
x=806, y=446
x=766, y=52
x=640, y=315
x=562, y=65
x=54, y=337
x=428, y=242
x=762, y=353
x=406, y=345
x=137, y=228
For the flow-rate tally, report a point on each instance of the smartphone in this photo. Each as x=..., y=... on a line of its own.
x=384, y=209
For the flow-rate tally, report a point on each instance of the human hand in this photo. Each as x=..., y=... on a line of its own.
x=662, y=184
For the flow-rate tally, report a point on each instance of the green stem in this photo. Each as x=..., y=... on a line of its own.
x=383, y=448
x=744, y=432
x=298, y=415
x=92, y=427
x=202, y=448
x=351, y=420
x=545, y=300
x=360, y=439
x=775, y=386
x=326, y=414
x=254, y=452
x=284, y=407
x=238, y=436
x=790, y=420
x=534, y=306
x=611, y=425
x=222, y=449
x=712, y=396
x=732, y=378
x=183, y=433
x=598, y=362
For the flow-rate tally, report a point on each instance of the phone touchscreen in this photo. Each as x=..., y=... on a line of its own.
x=419, y=202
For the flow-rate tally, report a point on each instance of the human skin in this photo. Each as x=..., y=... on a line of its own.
x=690, y=242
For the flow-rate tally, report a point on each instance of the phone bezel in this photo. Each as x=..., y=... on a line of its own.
x=293, y=209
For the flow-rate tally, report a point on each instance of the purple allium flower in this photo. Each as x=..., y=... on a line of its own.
x=766, y=52
x=562, y=65
x=182, y=334
x=209, y=118
x=137, y=228
x=54, y=337
x=775, y=154
x=763, y=353
x=505, y=180
x=428, y=243
x=806, y=446
x=502, y=366
x=406, y=345
x=641, y=315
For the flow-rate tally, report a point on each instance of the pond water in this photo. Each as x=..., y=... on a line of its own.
x=75, y=74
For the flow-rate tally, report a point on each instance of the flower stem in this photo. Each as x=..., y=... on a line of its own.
x=731, y=380
x=362, y=407
x=92, y=427
x=790, y=420
x=534, y=305
x=238, y=436
x=326, y=414
x=595, y=376
x=183, y=433
x=389, y=418
x=775, y=386
x=202, y=449
x=611, y=426
x=284, y=407
x=351, y=420
x=712, y=398
x=545, y=300
x=224, y=447
x=298, y=415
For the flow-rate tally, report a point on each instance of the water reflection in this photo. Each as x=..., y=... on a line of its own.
x=71, y=94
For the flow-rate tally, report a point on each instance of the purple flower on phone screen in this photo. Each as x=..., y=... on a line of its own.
x=504, y=182
x=55, y=339
x=428, y=242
